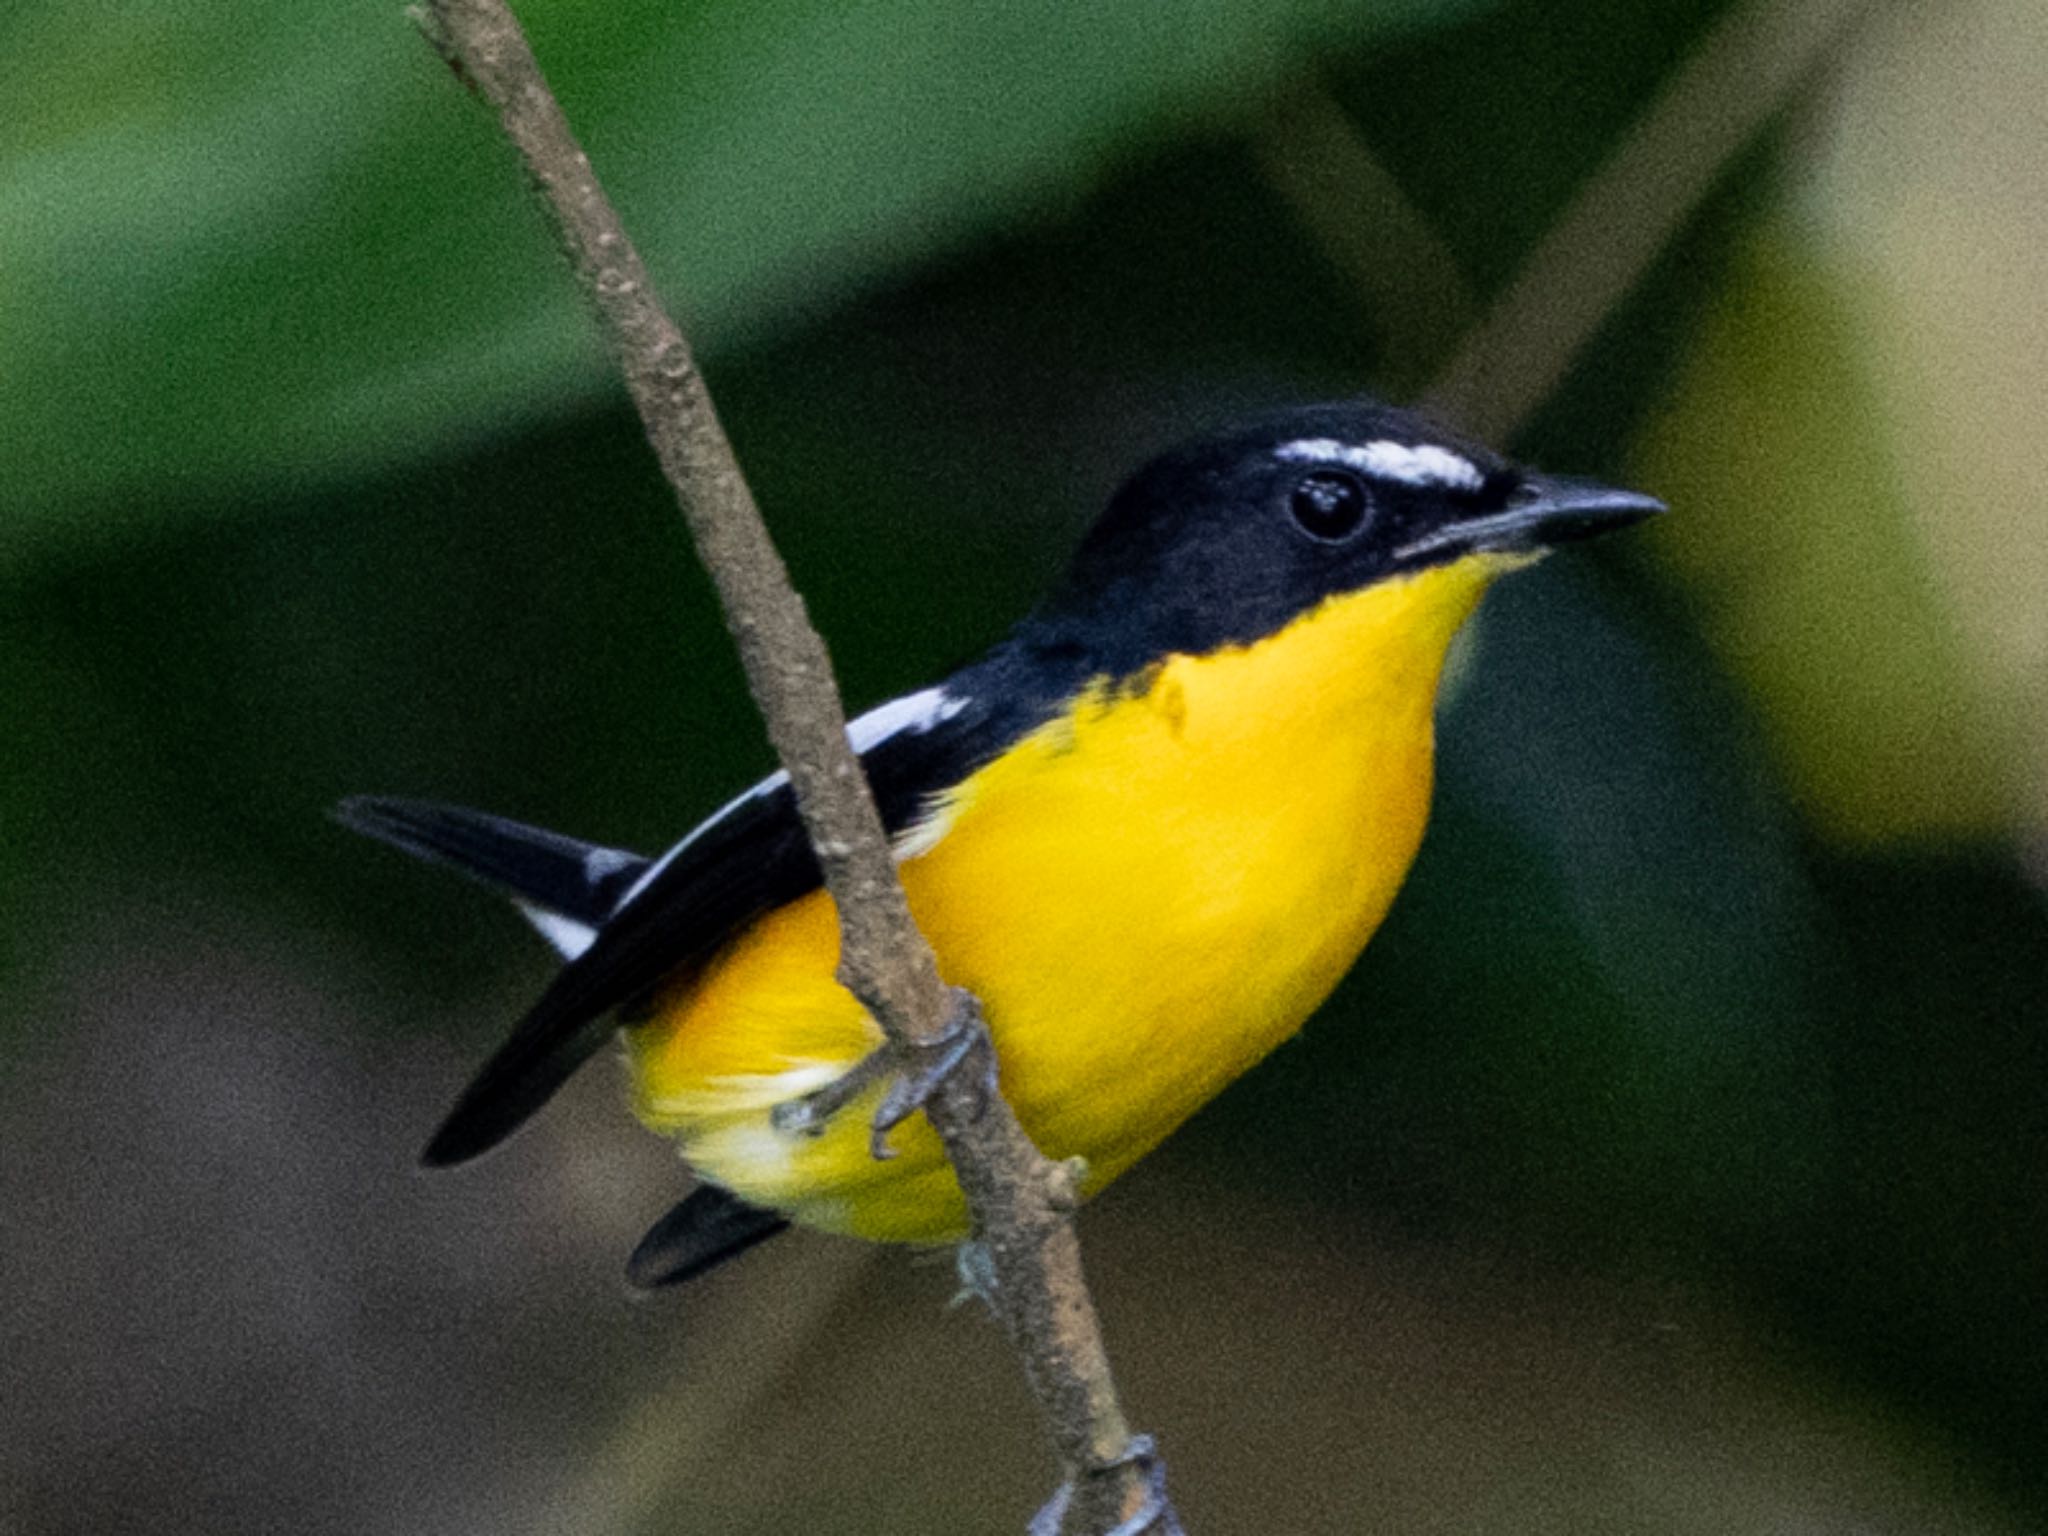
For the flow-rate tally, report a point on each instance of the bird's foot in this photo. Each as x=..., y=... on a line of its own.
x=913, y=1073
x=1154, y=1517
x=920, y=1070
x=975, y=1267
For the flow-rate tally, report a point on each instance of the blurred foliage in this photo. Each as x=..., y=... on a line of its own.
x=279, y=214
x=1869, y=688
x=1724, y=964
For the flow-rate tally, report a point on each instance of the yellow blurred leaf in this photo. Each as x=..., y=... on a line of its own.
x=1794, y=531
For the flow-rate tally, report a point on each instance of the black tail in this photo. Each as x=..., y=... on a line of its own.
x=700, y=1233
x=567, y=888
x=581, y=881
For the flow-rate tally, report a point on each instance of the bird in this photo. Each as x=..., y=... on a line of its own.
x=1149, y=829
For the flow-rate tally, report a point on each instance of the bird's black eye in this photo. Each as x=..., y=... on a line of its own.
x=1329, y=504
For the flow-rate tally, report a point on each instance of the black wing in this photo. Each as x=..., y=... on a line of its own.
x=748, y=859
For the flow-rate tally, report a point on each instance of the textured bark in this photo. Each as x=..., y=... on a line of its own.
x=1022, y=1204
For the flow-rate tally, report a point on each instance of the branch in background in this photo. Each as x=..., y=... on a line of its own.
x=626, y=1477
x=1022, y=1204
x=1734, y=84
x=1382, y=248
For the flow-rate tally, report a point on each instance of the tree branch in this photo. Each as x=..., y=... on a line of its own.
x=1735, y=83
x=1021, y=1204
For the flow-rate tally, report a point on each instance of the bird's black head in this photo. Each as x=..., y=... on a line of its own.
x=1231, y=538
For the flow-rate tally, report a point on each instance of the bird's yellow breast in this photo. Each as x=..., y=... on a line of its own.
x=1148, y=893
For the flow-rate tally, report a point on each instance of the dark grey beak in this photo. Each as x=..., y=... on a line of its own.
x=1544, y=511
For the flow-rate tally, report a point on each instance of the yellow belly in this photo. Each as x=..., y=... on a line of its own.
x=1147, y=894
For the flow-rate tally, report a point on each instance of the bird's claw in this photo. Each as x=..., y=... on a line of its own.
x=976, y=1268
x=914, y=1073
x=917, y=1072
x=1155, y=1517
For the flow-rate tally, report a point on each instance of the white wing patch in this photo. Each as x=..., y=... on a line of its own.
x=767, y=786
x=1419, y=464
x=602, y=863
x=569, y=937
x=922, y=835
x=918, y=711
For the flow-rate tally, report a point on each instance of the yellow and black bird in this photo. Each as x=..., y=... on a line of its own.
x=1150, y=830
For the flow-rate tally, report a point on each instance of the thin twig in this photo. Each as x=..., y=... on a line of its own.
x=628, y=1474
x=1021, y=1203
x=1737, y=80
x=1379, y=244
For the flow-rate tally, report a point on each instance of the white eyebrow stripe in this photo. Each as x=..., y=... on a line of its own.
x=1421, y=464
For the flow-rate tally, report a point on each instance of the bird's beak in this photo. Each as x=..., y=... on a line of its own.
x=1547, y=510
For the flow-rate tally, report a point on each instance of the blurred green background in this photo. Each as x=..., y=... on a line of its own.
x=1674, y=1161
